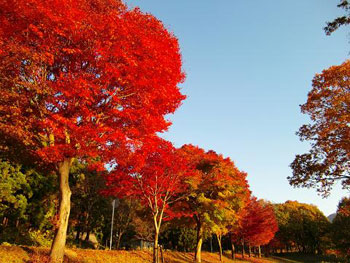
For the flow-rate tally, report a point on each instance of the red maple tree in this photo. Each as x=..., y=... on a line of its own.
x=258, y=225
x=82, y=79
x=156, y=175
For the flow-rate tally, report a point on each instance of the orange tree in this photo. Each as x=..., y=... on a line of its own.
x=216, y=194
x=329, y=132
x=82, y=79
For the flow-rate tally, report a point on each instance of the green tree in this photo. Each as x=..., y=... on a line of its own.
x=179, y=234
x=14, y=192
x=301, y=226
x=90, y=210
x=27, y=204
x=216, y=193
x=126, y=210
x=341, y=227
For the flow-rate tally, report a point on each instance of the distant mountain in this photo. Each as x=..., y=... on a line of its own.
x=331, y=217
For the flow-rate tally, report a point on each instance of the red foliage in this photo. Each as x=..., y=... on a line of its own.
x=213, y=170
x=258, y=224
x=83, y=78
x=156, y=175
x=86, y=79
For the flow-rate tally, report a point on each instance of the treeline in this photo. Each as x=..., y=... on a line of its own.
x=182, y=196
x=304, y=228
x=200, y=218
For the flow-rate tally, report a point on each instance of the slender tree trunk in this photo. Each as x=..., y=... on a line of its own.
x=161, y=253
x=120, y=234
x=218, y=236
x=86, y=227
x=155, y=247
x=5, y=221
x=197, y=254
x=59, y=242
x=233, y=256
x=77, y=236
x=87, y=238
x=157, y=218
x=243, y=252
x=249, y=250
x=259, y=249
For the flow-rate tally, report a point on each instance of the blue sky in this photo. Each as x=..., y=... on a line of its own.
x=249, y=66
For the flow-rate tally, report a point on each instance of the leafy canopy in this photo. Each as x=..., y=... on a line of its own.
x=328, y=106
x=83, y=79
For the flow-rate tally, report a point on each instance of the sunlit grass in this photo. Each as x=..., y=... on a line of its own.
x=23, y=254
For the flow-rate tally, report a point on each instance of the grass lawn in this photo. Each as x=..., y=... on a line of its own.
x=24, y=254
x=304, y=258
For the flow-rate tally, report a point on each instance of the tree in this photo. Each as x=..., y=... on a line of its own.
x=27, y=203
x=257, y=226
x=126, y=212
x=339, y=21
x=329, y=133
x=157, y=182
x=179, y=235
x=82, y=79
x=341, y=227
x=15, y=192
x=89, y=208
x=302, y=227
x=216, y=193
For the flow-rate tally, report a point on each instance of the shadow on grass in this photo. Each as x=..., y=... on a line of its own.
x=305, y=258
x=177, y=257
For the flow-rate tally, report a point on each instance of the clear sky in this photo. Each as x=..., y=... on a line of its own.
x=249, y=66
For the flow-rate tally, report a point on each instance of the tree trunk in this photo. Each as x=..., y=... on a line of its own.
x=87, y=238
x=233, y=256
x=161, y=253
x=120, y=234
x=220, y=246
x=243, y=252
x=86, y=227
x=77, y=236
x=59, y=242
x=5, y=221
x=249, y=250
x=197, y=255
x=259, y=249
x=155, y=247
